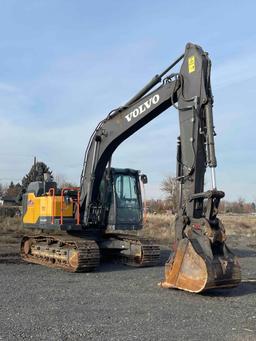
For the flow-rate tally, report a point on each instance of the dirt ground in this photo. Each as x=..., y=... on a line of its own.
x=119, y=302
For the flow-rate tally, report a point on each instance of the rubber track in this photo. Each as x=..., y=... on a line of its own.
x=88, y=255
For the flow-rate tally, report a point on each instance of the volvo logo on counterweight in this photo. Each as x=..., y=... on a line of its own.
x=143, y=107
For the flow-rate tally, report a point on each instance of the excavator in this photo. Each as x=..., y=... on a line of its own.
x=201, y=259
x=49, y=208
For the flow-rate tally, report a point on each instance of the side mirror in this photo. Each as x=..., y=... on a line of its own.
x=144, y=179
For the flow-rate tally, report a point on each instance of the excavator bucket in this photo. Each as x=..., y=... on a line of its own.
x=196, y=267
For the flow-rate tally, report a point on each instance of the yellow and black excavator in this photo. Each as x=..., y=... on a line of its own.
x=91, y=214
x=57, y=210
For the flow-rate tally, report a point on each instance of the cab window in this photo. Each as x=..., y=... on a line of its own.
x=125, y=186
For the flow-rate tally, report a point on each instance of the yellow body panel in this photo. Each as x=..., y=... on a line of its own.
x=45, y=207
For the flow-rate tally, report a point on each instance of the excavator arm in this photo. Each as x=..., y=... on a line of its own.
x=191, y=89
x=201, y=259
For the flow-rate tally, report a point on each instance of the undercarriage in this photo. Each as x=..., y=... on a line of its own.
x=82, y=253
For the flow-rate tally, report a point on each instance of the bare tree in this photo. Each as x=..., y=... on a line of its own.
x=13, y=190
x=170, y=187
x=63, y=182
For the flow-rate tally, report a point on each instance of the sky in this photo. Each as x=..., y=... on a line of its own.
x=64, y=65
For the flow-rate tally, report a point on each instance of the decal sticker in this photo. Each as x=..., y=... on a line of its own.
x=191, y=64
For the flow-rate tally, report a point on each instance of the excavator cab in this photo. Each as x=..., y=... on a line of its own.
x=123, y=199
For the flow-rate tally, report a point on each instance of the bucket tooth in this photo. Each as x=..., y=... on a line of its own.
x=190, y=271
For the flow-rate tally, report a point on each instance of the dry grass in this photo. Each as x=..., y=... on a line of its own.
x=8, y=224
x=11, y=230
x=159, y=227
x=236, y=224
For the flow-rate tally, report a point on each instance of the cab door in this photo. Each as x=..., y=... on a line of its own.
x=127, y=200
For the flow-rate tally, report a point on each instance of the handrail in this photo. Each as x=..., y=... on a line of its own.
x=52, y=193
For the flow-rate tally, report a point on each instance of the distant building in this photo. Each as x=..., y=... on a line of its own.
x=9, y=200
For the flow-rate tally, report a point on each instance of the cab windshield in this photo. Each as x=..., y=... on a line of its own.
x=126, y=190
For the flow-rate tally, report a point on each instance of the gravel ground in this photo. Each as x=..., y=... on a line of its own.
x=121, y=303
